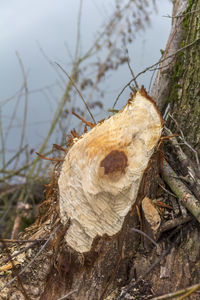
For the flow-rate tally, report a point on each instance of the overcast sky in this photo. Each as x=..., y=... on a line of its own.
x=53, y=24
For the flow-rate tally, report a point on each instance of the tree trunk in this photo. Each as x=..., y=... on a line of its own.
x=125, y=260
x=184, y=97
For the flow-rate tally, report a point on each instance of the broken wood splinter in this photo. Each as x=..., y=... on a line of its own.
x=54, y=159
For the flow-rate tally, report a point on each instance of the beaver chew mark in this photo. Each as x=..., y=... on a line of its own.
x=114, y=161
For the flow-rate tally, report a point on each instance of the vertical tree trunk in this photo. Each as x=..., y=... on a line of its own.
x=184, y=97
x=181, y=94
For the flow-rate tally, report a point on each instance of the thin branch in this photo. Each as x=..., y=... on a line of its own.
x=192, y=289
x=34, y=258
x=152, y=66
x=186, y=164
x=186, y=143
x=25, y=105
x=8, y=204
x=168, y=225
x=2, y=143
x=182, y=293
x=65, y=97
x=50, y=62
x=183, y=193
x=91, y=125
x=109, y=27
x=68, y=51
x=49, y=158
x=131, y=70
x=58, y=147
x=54, y=122
x=91, y=51
x=103, y=66
x=151, y=80
x=14, y=157
x=15, y=272
x=10, y=190
x=69, y=294
x=78, y=31
x=74, y=84
x=15, y=173
x=168, y=192
x=20, y=251
x=182, y=15
x=21, y=241
x=5, y=101
x=145, y=235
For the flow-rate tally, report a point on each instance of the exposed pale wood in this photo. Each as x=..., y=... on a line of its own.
x=102, y=171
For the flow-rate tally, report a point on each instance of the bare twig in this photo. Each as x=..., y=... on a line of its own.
x=168, y=225
x=168, y=192
x=91, y=125
x=183, y=193
x=183, y=293
x=131, y=70
x=185, y=142
x=191, y=290
x=54, y=122
x=17, y=276
x=14, y=173
x=8, y=204
x=49, y=158
x=145, y=235
x=14, y=112
x=51, y=63
x=14, y=157
x=21, y=241
x=58, y=147
x=34, y=258
x=10, y=190
x=78, y=38
x=152, y=66
x=151, y=80
x=192, y=176
x=93, y=49
x=74, y=84
x=2, y=151
x=34, y=242
x=67, y=295
x=5, y=101
x=114, y=25
x=182, y=15
x=25, y=105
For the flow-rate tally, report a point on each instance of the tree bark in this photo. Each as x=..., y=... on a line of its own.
x=126, y=259
x=184, y=97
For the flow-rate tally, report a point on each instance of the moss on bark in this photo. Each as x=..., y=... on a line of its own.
x=184, y=96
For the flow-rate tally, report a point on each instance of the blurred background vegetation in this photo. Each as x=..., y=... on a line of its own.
x=96, y=42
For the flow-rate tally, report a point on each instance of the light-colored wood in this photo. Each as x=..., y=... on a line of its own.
x=101, y=174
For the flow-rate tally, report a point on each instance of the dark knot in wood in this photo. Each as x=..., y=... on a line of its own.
x=114, y=161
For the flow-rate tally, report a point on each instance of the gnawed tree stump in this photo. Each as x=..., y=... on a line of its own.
x=98, y=188
x=123, y=262
x=102, y=171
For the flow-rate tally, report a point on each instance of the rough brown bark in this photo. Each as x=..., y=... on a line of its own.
x=163, y=82
x=184, y=97
x=119, y=261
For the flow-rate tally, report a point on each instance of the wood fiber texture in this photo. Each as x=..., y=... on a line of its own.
x=102, y=171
